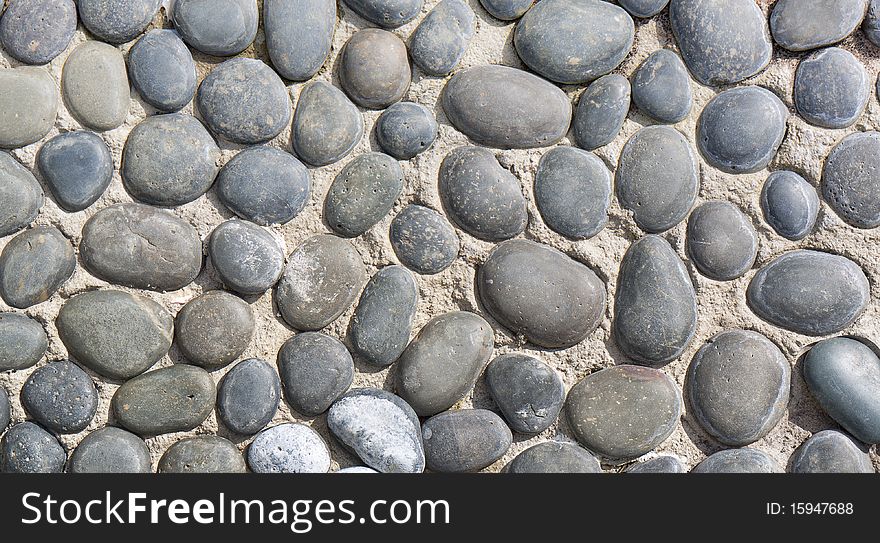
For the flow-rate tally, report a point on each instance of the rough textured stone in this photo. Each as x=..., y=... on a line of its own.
x=316, y=370
x=162, y=70
x=738, y=461
x=77, y=167
x=386, y=13
x=506, y=10
x=374, y=68
x=117, y=21
x=790, y=205
x=464, y=440
x=299, y=35
x=326, y=124
x=406, y=129
x=601, y=110
x=554, y=457
x=248, y=396
x=659, y=464
x=643, y=8
x=362, y=194
x=202, y=454
x=383, y=320
x=34, y=265
x=831, y=88
x=423, y=240
x=573, y=192
x=830, y=451
x=246, y=257
x=289, y=448
x=28, y=105
x=95, y=85
x=441, y=39
x=217, y=27
x=36, y=31
x=871, y=26
x=20, y=195
x=28, y=448
x=4, y=410
x=110, y=450
x=23, y=341
x=799, y=25
x=661, y=87
x=851, y=179
x=529, y=392
x=61, y=397
x=213, y=329
x=721, y=241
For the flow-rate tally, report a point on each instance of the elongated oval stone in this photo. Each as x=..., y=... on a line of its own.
x=299, y=35
x=790, y=204
x=34, y=265
x=114, y=333
x=36, y=31
x=363, y=193
x=738, y=461
x=661, y=87
x=830, y=451
x=659, y=464
x=23, y=341
x=202, y=454
x=28, y=106
x=643, y=8
x=721, y=241
x=326, y=124
x=655, y=306
x=441, y=39
x=478, y=101
x=28, y=448
x=61, y=397
x=247, y=258
x=809, y=292
x=110, y=450
x=162, y=70
x=623, y=411
x=386, y=13
x=831, y=88
x=214, y=329
x=554, y=457
x=406, y=129
x=383, y=320
x=289, y=448
x=528, y=392
x=316, y=370
x=95, y=85
x=217, y=27
x=573, y=192
x=802, y=25
x=20, y=195
x=423, y=240
x=851, y=179
x=444, y=361
x=601, y=110
x=77, y=167
x=117, y=21
x=248, y=396
x=506, y=10
x=374, y=68
x=534, y=290
x=464, y=440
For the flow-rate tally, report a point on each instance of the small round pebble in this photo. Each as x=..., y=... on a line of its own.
x=721, y=241
x=162, y=70
x=660, y=464
x=386, y=13
x=362, y=194
x=23, y=342
x=28, y=448
x=831, y=88
x=20, y=195
x=299, y=35
x=423, y=240
x=464, y=440
x=383, y=319
x=28, y=105
x=213, y=329
x=790, y=204
x=316, y=370
x=77, y=167
x=246, y=257
x=799, y=25
x=117, y=21
x=202, y=454
x=851, y=179
x=601, y=110
x=830, y=451
x=661, y=87
x=34, y=265
x=573, y=192
x=36, y=31
x=61, y=397
x=507, y=10
x=95, y=85
x=441, y=39
x=217, y=27
x=738, y=461
x=110, y=450
x=248, y=396
x=374, y=68
x=643, y=8
x=406, y=129
x=288, y=448
x=529, y=393
x=5, y=415
x=326, y=124
x=554, y=457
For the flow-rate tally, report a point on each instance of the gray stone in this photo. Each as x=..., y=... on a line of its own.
x=248, y=396
x=95, y=85
x=799, y=25
x=554, y=457
x=871, y=26
x=506, y=10
x=162, y=70
x=288, y=448
x=5, y=415
x=217, y=27
x=326, y=124
x=738, y=461
x=316, y=370
x=34, y=265
x=20, y=195
x=601, y=110
x=406, y=129
x=36, y=31
x=246, y=257
x=573, y=192
x=831, y=88
x=478, y=102
x=110, y=450
x=309, y=298
x=362, y=194
x=661, y=87
x=117, y=21
x=643, y=8
x=264, y=185
x=657, y=178
x=380, y=428
x=809, y=292
x=202, y=454
x=721, y=241
x=570, y=41
x=28, y=448
x=623, y=411
x=383, y=320
x=374, y=68
x=23, y=342
x=386, y=13
x=529, y=393
x=214, y=329
x=851, y=179
x=423, y=240
x=830, y=451
x=77, y=167
x=139, y=246
x=660, y=464
x=655, y=306
x=61, y=397
x=299, y=35
x=790, y=205
x=444, y=361
x=244, y=101
x=464, y=440
x=482, y=197
x=441, y=39
x=28, y=106
x=357, y=469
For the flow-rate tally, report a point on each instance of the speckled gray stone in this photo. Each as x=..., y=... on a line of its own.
x=214, y=329
x=573, y=192
x=28, y=448
x=380, y=428
x=406, y=129
x=423, y=240
x=140, y=246
x=543, y=110
x=4, y=410
x=383, y=320
x=799, y=25
x=738, y=461
x=162, y=70
x=117, y=21
x=386, y=13
x=441, y=39
x=659, y=464
x=529, y=393
x=830, y=451
x=374, y=68
x=623, y=411
x=851, y=179
x=217, y=27
x=464, y=440
x=248, y=396
x=661, y=87
x=28, y=105
x=94, y=83
x=110, y=450
x=326, y=124
x=247, y=258
x=362, y=194
x=34, y=265
x=643, y=8
x=36, y=31
x=831, y=88
x=554, y=457
x=288, y=448
x=444, y=361
x=299, y=35
x=482, y=197
x=655, y=306
x=202, y=454
x=20, y=195
x=77, y=167
x=721, y=241
x=790, y=204
x=23, y=341
x=506, y=10
x=61, y=397
x=871, y=25
x=809, y=292
x=316, y=370
x=307, y=296
x=601, y=110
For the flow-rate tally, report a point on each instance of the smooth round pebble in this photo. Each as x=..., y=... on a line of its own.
x=5, y=415
x=34, y=265
x=217, y=27
x=601, y=110
x=441, y=39
x=77, y=167
x=21, y=196
x=362, y=194
x=529, y=393
x=464, y=440
x=386, y=13
x=831, y=88
x=202, y=454
x=851, y=179
x=790, y=205
x=28, y=448
x=406, y=129
x=554, y=457
x=659, y=464
x=117, y=21
x=573, y=192
x=61, y=397
x=738, y=461
x=110, y=450
x=721, y=241
x=661, y=87
x=95, y=86
x=23, y=342
x=246, y=257
x=830, y=451
x=799, y=25
x=507, y=10
x=383, y=319
x=213, y=329
x=316, y=370
x=299, y=35
x=326, y=124
x=37, y=31
x=162, y=70
x=288, y=448
x=374, y=68
x=423, y=240
x=28, y=105
x=643, y=8
x=248, y=396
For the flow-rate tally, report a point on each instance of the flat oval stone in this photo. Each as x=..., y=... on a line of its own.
x=289, y=448
x=444, y=361
x=554, y=457
x=246, y=257
x=307, y=296
x=534, y=290
x=660, y=464
x=28, y=106
x=464, y=440
x=20, y=194
x=799, y=25
x=871, y=25
x=441, y=39
x=529, y=393
x=244, y=101
x=830, y=451
x=851, y=179
x=657, y=178
x=316, y=370
x=738, y=461
x=478, y=101
x=380, y=428
x=703, y=28
x=482, y=197
x=264, y=185
x=386, y=13
x=790, y=205
x=117, y=21
x=248, y=396
x=661, y=87
x=213, y=329
x=601, y=110
x=162, y=70
x=77, y=167
x=95, y=85
x=383, y=320
x=809, y=292
x=37, y=31
x=299, y=35
x=506, y=10
x=217, y=27
x=623, y=411
x=28, y=448
x=61, y=397
x=110, y=450
x=740, y=130
x=362, y=194
x=34, y=265
x=140, y=246
x=569, y=41
x=831, y=88
x=326, y=124
x=23, y=342
x=114, y=333
x=5, y=416
x=406, y=129
x=844, y=376
x=721, y=241
x=738, y=385
x=202, y=454
x=643, y=8
x=655, y=306
x=374, y=68
x=423, y=240
x=573, y=192
x=172, y=399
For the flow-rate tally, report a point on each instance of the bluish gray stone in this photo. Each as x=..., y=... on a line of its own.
x=214, y=329
x=95, y=86
x=28, y=448
x=851, y=179
x=529, y=393
x=799, y=25
x=77, y=167
x=374, y=68
x=20, y=196
x=464, y=440
x=406, y=129
x=34, y=265
x=571, y=41
x=23, y=341
x=386, y=13
x=478, y=102
x=423, y=240
x=110, y=450
x=61, y=397
x=36, y=31
x=326, y=124
x=721, y=241
x=554, y=457
x=117, y=21
x=217, y=27
x=506, y=10
x=534, y=290
x=246, y=257
x=809, y=292
x=202, y=454
x=4, y=410
x=659, y=464
x=288, y=448
x=830, y=451
x=362, y=194
x=661, y=87
x=28, y=105
x=601, y=110
x=573, y=192
x=482, y=197
x=831, y=88
x=316, y=370
x=299, y=35
x=248, y=396
x=162, y=70
x=441, y=39
x=738, y=461
x=871, y=26
x=383, y=320
x=790, y=205
x=643, y=8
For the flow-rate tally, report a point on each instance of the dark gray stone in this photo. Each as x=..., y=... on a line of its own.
x=478, y=102
x=660, y=464
x=5, y=415
x=117, y=21
x=441, y=39
x=289, y=448
x=28, y=448
x=623, y=411
x=36, y=31
x=790, y=205
x=20, y=195
x=202, y=454
x=482, y=197
x=326, y=124
x=28, y=105
x=506, y=10
x=601, y=110
x=213, y=329
x=830, y=451
x=34, y=265
x=464, y=440
x=643, y=8
x=661, y=87
x=95, y=86
x=721, y=241
x=383, y=320
x=386, y=13
x=217, y=27
x=299, y=35
x=871, y=26
x=77, y=167
x=374, y=68
x=406, y=129
x=247, y=258
x=657, y=178
x=162, y=70
x=799, y=26
x=316, y=370
x=809, y=292
x=423, y=240
x=851, y=179
x=444, y=361
x=573, y=192
x=61, y=397
x=738, y=461
x=110, y=450
x=23, y=341
x=529, y=393
x=831, y=88
x=362, y=194
x=554, y=457
x=248, y=396
x=655, y=306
